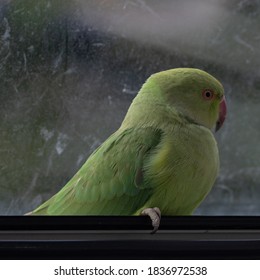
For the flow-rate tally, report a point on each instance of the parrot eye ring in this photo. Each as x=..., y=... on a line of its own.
x=208, y=94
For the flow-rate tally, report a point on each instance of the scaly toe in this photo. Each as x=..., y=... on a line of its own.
x=155, y=216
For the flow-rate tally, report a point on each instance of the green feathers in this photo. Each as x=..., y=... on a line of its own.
x=111, y=180
x=163, y=155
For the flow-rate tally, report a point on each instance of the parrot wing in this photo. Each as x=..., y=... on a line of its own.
x=111, y=180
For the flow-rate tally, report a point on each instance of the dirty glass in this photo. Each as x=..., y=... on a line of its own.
x=70, y=69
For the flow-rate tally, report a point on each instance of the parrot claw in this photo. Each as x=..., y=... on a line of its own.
x=155, y=216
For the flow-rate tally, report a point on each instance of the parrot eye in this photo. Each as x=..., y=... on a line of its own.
x=208, y=94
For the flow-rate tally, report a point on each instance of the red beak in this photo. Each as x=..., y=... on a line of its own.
x=222, y=113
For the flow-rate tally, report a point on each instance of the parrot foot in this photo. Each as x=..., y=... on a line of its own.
x=155, y=216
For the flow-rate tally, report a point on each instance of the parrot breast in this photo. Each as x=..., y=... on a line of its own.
x=184, y=170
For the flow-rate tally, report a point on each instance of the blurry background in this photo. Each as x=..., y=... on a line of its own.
x=69, y=69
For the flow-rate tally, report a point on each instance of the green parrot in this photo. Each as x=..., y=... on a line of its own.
x=162, y=160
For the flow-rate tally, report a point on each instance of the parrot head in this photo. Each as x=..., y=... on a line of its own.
x=194, y=93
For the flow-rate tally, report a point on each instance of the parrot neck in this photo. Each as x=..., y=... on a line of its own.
x=148, y=114
x=158, y=115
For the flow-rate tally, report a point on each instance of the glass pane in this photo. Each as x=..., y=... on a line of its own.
x=70, y=69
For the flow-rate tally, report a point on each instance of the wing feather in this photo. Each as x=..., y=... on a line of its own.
x=111, y=180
